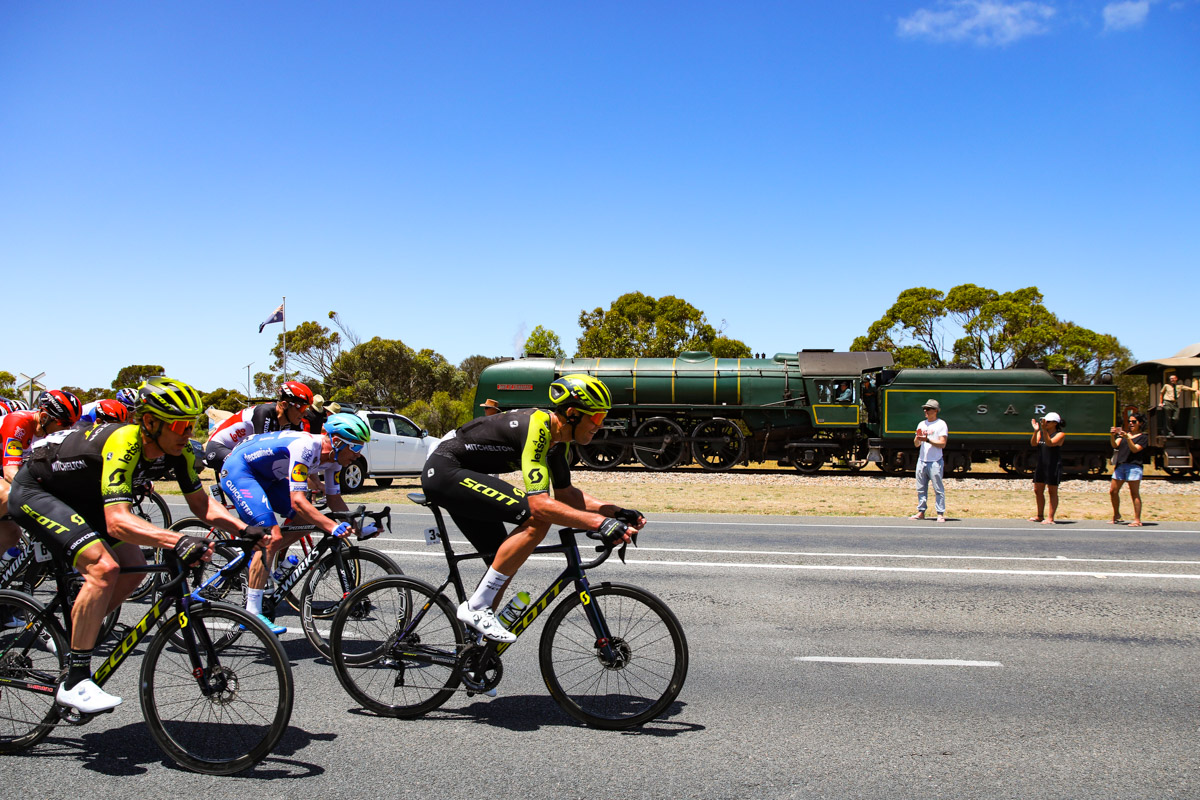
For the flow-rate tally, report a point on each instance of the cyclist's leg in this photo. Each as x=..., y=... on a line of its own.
x=73, y=541
x=214, y=458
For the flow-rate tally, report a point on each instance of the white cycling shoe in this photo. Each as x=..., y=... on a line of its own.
x=86, y=697
x=484, y=623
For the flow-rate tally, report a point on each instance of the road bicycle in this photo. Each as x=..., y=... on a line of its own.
x=212, y=711
x=330, y=570
x=612, y=655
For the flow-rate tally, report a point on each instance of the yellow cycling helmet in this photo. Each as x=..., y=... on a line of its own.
x=169, y=399
x=580, y=391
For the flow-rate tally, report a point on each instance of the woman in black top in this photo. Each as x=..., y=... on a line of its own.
x=1048, y=436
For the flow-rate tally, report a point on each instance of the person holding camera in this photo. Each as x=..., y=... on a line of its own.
x=1129, y=461
x=1048, y=437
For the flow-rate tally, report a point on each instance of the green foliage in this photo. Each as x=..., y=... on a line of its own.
x=439, y=414
x=266, y=384
x=135, y=374
x=472, y=366
x=311, y=348
x=545, y=342
x=8, y=384
x=387, y=372
x=637, y=325
x=88, y=395
x=225, y=400
x=998, y=331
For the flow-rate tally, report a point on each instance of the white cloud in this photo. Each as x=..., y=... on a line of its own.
x=984, y=22
x=1125, y=15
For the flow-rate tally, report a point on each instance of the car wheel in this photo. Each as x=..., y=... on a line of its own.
x=354, y=475
x=383, y=483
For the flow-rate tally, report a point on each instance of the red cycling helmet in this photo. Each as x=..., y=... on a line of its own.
x=296, y=392
x=112, y=411
x=62, y=406
x=4, y=406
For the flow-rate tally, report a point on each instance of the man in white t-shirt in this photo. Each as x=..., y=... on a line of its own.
x=931, y=437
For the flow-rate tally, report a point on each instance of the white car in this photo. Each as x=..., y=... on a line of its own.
x=397, y=447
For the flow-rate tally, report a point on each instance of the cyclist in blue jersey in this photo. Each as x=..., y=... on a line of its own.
x=268, y=474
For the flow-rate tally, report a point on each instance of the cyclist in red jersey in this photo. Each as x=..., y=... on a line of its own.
x=56, y=410
x=285, y=414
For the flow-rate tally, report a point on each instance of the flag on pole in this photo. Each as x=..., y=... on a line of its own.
x=275, y=317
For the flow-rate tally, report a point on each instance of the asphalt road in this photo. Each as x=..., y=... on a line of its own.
x=829, y=658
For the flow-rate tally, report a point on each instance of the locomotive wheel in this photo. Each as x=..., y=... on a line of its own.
x=663, y=443
x=717, y=444
x=605, y=451
x=807, y=461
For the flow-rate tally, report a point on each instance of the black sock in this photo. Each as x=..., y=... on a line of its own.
x=81, y=668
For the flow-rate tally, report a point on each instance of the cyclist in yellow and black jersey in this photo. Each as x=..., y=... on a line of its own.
x=456, y=477
x=75, y=495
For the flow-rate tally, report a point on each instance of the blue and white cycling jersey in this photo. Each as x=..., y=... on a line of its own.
x=261, y=473
x=284, y=456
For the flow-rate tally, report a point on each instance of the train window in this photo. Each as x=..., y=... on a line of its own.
x=839, y=391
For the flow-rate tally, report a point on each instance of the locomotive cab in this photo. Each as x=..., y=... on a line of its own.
x=1174, y=432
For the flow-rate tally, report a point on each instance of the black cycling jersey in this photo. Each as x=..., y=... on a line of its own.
x=62, y=488
x=509, y=441
x=457, y=475
x=100, y=466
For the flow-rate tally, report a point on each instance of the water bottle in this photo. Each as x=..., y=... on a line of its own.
x=515, y=608
x=279, y=572
x=10, y=554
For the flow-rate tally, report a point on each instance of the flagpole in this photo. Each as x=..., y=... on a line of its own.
x=285, y=371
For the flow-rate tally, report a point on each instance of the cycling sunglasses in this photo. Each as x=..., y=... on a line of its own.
x=182, y=427
x=597, y=418
x=354, y=448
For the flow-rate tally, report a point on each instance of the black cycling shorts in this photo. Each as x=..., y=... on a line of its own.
x=55, y=524
x=480, y=504
x=1049, y=474
x=215, y=455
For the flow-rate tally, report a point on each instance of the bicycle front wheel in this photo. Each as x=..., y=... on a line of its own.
x=638, y=681
x=328, y=584
x=33, y=652
x=396, y=643
x=245, y=704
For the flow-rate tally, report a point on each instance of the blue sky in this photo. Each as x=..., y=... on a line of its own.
x=454, y=174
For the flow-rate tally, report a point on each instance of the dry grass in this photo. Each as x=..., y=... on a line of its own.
x=868, y=494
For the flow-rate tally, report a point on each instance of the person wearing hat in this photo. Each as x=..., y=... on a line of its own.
x=490, y=407
x=314, y=418
x=932, y=434
x=1048, y=437
x=334, y=408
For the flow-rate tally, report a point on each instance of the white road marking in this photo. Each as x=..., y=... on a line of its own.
x=921, y=662
x=863, y=568
x=925, y=556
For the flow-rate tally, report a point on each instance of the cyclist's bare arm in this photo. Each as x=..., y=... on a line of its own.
x=570, y=507
x=305, y=513
x=129, y=527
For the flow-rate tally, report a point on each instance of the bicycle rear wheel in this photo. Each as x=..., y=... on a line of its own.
x=236, y=725
x=324, y=592
x=649, y=668
x=396, y=643
x=32, y=655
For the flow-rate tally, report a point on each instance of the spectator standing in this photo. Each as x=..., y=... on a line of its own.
x=1128, y=464
x=314, y=418
x=1048, y=437
x=932, y=434
x=1170, y=401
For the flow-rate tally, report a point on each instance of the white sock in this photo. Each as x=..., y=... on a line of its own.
x=487, y=590
x=254, y=600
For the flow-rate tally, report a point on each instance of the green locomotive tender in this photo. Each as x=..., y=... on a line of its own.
x=811, y=408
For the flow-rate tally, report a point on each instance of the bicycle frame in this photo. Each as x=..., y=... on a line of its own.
x=573, y=572
x=171, y=593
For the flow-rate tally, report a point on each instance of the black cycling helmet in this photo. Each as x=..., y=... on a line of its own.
x=169, y=399
x=584, y=392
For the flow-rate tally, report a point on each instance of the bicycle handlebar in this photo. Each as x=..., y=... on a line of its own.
x=356, y=516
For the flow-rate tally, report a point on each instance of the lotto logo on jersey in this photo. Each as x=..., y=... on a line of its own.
x=14, y=448
x=237, y=436
x=300, y=473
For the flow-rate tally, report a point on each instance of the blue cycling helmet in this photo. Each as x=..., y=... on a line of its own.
x=127, y=397
x=348, y=427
